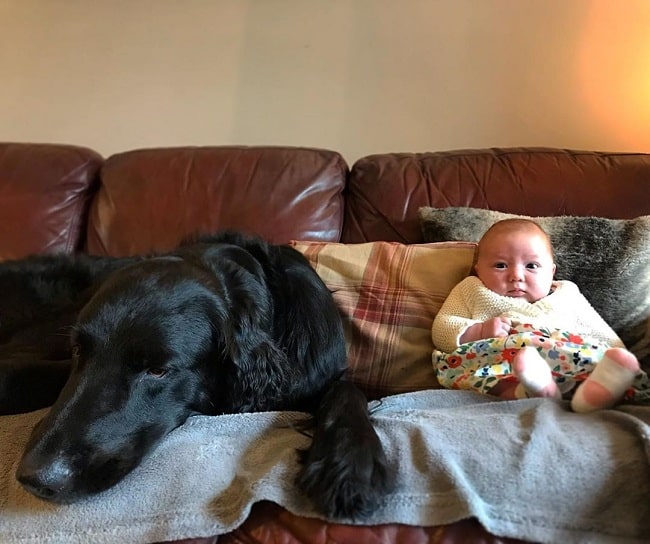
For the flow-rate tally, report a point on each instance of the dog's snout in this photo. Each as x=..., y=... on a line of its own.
x=46, y=480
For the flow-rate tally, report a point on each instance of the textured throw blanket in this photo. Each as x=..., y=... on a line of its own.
x=528, y=469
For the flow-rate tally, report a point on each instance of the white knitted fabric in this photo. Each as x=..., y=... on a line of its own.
x=471, y=302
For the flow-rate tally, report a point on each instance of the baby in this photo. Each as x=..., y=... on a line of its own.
x=514, y=332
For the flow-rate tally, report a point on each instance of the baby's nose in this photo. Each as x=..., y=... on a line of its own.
x=516, y=273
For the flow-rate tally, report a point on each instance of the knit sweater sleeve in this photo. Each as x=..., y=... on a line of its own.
x=454, y=317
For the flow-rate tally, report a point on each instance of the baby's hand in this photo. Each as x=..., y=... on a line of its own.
x=496, y=327
x=491, y=328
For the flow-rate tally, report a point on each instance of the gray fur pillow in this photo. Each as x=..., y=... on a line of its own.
x=609, y=259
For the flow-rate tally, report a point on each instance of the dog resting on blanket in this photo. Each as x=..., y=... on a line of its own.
x=127, y=349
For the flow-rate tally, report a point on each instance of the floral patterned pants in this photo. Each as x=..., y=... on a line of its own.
x=480, y=365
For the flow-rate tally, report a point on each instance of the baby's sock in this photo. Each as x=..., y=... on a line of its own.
x=534, y=374
x=608, y=381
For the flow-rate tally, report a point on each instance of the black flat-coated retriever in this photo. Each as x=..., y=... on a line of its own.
x=128, y=349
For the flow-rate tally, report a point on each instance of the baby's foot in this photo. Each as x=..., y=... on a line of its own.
x=607, y=383
x=534, y=374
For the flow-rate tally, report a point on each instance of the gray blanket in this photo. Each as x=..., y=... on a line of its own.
x=528, y=469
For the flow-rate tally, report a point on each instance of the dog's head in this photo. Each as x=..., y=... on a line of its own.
x=153, y=346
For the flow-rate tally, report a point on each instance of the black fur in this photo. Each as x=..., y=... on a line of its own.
x=227, y=324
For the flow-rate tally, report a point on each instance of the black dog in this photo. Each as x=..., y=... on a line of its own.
x=227, y=324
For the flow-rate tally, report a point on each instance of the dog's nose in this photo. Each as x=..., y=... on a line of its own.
x=47, y=481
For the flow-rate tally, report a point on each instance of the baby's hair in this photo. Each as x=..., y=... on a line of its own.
x=514, y=224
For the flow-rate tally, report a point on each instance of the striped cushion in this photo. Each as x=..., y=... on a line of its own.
x=388, y=294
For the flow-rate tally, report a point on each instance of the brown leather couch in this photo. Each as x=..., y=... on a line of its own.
x=62, y=198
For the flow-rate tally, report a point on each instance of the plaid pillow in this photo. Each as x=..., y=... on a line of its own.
x=388, y=294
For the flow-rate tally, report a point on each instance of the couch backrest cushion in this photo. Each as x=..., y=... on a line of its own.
x=152, y=199
x=386, y=191
x=44, y=194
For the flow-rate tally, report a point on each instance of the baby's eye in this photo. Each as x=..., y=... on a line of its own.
x=532, y=266
x=500, y=266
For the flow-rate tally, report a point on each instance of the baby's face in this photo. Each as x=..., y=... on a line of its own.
x=516, y=264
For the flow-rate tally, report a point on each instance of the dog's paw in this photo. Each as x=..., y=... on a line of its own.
x=345, y=474
x=345, y=471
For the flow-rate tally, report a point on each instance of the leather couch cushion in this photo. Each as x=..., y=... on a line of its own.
x=152, y=199
x=271, y=524
x=385, y=191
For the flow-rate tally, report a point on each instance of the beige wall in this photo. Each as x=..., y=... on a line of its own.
x=359, y=76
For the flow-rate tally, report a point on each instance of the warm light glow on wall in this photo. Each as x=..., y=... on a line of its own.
x=615, y=69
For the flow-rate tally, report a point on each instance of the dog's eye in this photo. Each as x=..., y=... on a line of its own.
x=157, y=372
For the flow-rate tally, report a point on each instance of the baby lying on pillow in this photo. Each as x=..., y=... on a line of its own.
x=512, y=331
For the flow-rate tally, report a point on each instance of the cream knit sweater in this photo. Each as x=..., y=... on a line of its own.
x=471, y=302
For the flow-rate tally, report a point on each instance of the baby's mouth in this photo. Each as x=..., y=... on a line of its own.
x=516, y=292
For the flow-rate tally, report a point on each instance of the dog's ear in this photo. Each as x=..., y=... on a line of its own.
x=260, y=369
